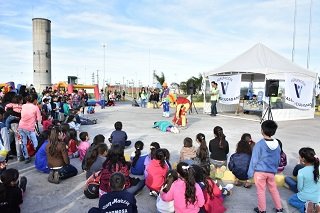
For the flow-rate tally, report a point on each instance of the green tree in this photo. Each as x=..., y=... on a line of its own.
x=183, y=87
x=160, y=78
x=195, y=81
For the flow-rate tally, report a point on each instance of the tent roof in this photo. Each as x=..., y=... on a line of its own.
x=261, y=59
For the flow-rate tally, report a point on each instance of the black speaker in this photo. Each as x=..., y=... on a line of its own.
x=191, y=89
x=272, y=87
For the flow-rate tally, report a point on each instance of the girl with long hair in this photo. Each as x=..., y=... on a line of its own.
x=308, y=197
x=57, y=155
x=72, y=144
x=163, y=206
x=185, y=192
x=239, y=163
x=202, y=158
x=219, y=148
x=156, y=172
x=96, y=159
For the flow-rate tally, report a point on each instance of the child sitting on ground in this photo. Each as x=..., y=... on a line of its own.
x=156, y=172
x=83, y=145
x=110, y=202
x=188, y=151
x=72, y=123
x=185, y=192
x=11, y=191
x=72, y=144
x=163, y=206
x=118, y=136
x=46, y=122
x=98, y=139
x=154, y=146
x=239, y=163
x=219, y=148
x=96, y=159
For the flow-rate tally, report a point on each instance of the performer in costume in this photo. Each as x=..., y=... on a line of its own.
x=182, y=107
x=165, y=100
x=165, y=126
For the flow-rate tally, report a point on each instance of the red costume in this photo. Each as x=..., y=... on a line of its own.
x=182, y=107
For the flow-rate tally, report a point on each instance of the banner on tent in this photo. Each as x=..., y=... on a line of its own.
x=299, y=92
x=229, y=88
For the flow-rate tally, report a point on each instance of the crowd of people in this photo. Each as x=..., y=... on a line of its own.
x=185, y=186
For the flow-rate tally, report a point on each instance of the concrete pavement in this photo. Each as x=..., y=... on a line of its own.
x=42, y=196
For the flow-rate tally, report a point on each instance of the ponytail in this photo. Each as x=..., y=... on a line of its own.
x=218, y=131
x=160, y=155
x=92, y=158
x=203, y=149
x=316, y=169
x=187, y=173
x=139, y=146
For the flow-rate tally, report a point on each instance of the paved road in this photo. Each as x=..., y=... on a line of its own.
x=42, y=196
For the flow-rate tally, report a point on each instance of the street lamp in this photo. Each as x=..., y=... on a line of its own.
x=104, y=65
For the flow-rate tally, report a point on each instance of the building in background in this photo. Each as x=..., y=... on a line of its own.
x=41, y=53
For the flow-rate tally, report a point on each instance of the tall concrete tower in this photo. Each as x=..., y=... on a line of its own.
x=41, y=53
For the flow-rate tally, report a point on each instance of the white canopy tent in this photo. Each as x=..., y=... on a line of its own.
x=261, y=63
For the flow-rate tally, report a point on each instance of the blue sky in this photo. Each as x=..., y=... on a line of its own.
x=184, y=38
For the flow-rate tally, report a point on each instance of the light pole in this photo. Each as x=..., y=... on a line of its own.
x=104, y=66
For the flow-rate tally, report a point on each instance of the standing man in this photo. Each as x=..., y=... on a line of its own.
x=102, y=99
x=214, y=98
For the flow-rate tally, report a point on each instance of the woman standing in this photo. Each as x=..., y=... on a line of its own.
x=143, y=97
x=30, y=114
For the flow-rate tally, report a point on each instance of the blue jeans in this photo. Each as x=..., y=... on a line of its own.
x=9, y=120
x=297, y=203
x=67, y=171
x=25, y=134
x=103, y=104
x=165, y=106
x=213, y=107
x=143, y=103
x=135, y=189
x=291, y=183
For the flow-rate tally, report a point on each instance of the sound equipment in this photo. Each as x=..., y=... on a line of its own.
x=272, y=87
x=191, y=89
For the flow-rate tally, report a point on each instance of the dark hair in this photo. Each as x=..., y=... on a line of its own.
x=309, y=155
x=32, y=97
x=97, y=150
x=98, y=139
x=201, y=176
x=161, y=156
x=17, y=99
x=280, y=145
x=218, y=131
x=203, y=153
x=153, y=148
x=65, y=127
x=70, y=118
x=187, y=142
x=118, y=125
x=187, y=173
x=117, y=181
x=83, y=136
x=54, y=139
x=246, y=137
x=138, y=146
x=269, y=127
x=243, y=147
x=172, y=175
x=9, y=175
x=73, y=134
x=43, y=137
x=114, y=157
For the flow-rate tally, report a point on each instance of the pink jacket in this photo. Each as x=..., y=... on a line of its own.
x=30, y=113
x=82, y=149
x=156, y=175
x=176, y=193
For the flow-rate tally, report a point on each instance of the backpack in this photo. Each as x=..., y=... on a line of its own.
x=91, y=189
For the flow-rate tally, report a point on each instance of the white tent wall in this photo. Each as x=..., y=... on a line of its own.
x=264, y=64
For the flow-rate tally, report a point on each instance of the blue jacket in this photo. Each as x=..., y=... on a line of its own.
x=41, y=162
x=138, y=168
x=265, y=157
x=239, y=165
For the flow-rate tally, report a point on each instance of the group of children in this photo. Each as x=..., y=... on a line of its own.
x=120, y=179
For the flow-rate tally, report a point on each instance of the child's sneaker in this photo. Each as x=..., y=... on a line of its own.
x=153, y=193
x=279, y=210
x=258, y=211
x=23, y=183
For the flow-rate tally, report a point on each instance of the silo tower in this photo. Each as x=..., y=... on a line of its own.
x=41, y=53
